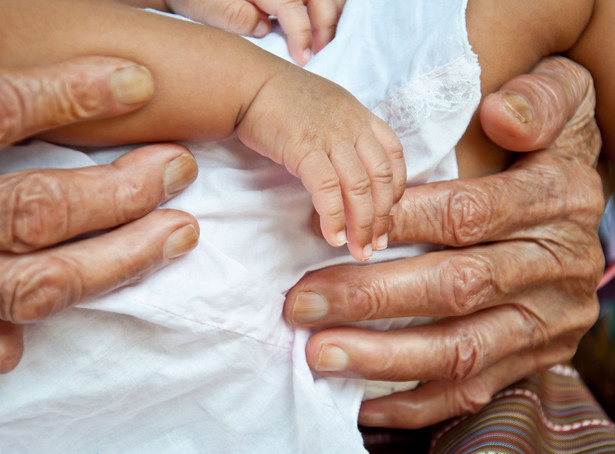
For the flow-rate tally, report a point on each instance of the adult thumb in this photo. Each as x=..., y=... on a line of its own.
x=530, y=112
x=43, y=97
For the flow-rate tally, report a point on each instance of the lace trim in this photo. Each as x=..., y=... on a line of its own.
x=447, y=89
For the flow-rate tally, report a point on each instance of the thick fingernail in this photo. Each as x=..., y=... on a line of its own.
x=382, y=242
x=331, y=359
x=132, y=85
x=373, y=419
x=179, y=173
x=519, y=106
x=261, y=29
x=309, y=307
x=181, y=241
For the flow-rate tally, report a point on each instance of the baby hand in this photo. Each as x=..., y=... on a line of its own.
x=347, y=158
x=308, y=24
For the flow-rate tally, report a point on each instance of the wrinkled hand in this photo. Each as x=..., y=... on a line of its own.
x=348, y=159
x=518, y=289
x=308, y=24
x=40, y=209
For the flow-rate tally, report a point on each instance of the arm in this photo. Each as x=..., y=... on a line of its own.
x=215, y=75
x=309, y=25
x=210, y=83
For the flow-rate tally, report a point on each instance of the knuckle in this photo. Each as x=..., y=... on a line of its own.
x=382, y=174
x=12, y=111
x=38, y=211
x=81, y=96
x=366, y=300
x=34, y=289
x=239, y=16
x=466, y=282
x=582, y=264
x=329, y=185
x=382, y=219
x=583, y=199
x=132, y=198
x=468, y=356
x=470, y=398
x=467, y=215
x=536, y=331
x=360, y=188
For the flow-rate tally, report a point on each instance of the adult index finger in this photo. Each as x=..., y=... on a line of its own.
x=40, y=208
x=34, y=286
x=40, y=98
x=451, y=282
x=506, y=205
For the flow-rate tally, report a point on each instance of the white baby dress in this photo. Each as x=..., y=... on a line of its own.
x=197, y=358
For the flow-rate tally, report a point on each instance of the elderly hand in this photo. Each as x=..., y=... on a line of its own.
x=308, y=24
x=40, y=209
x=518, y=289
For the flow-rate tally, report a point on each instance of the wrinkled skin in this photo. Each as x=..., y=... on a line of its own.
x=40, y=209
x=516, y=285
x=309, y=24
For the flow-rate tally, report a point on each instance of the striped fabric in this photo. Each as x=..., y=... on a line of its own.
x=551, y=412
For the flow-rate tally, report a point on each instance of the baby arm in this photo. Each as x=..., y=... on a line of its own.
x=309, y=25
x=210, y=83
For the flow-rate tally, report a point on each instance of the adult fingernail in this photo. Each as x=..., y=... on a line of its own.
x=382, y=242
x=373, y=419
x=179, y=173
x=181, y=241
x=307, y=55
x=519, y=106
x=132, y=85
x=261, y=29
x=309, y=307
x=331, y=359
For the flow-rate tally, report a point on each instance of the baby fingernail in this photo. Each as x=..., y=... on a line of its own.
x=132, y=85
x=519, y=106
x=181, y=241
x=309, y=307
x=367, y=252
x=261, y=29
x=307, y=55
x=382, y=242
x=179, y=173
x=340, y=238
x=331, y=359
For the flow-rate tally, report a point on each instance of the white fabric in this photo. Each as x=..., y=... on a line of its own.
x=197, y=359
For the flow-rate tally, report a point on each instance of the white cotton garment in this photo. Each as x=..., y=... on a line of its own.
x=197, y=358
